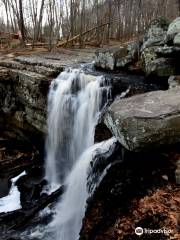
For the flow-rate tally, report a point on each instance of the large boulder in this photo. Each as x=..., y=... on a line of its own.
x=173, y=30
x=116, y=57
x=155, y=35
x=147, y=120
x=157, y=58
x=108, y=58
x=152, y=64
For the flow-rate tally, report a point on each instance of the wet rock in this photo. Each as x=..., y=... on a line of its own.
x=18, y=218
x=173, y=30
x=30, y=188
x=15, y=157
x=174, y=81
x=100, y=164
x=155, y=35
x=102, y=133
x=147, y=120
x=127, y=85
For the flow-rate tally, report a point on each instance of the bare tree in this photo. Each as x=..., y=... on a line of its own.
x=84, y=21
x=178, y=3
x=21, y=22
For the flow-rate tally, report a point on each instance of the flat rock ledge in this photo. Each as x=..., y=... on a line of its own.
x=146, y=121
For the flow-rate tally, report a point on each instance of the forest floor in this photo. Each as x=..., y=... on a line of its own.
x=156, y=211
x=88, y=50
x=159, y=210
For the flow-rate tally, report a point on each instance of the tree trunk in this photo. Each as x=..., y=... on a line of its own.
x=39, y=21
x=178, y=2
x=21, y=23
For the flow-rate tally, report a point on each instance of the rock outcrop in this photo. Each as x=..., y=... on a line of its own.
x=157, y=54
x=23, y=106
x=155, y=35
x=152, y=65
x=147, y=120
x=156, y=58
x=160, y=51
x=24, y=85
x=116, y=57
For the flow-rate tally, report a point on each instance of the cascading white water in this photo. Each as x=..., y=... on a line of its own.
x=74, y=103
x=73, y=107
x=71, y=209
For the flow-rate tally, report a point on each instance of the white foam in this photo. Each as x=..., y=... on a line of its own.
x=12, y=201
x=71, y=209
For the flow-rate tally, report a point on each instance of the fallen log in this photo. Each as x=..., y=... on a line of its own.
x=39, y=45
x=82, y=34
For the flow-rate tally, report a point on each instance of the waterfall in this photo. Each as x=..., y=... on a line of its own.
x=74, y=104
x=71, y=209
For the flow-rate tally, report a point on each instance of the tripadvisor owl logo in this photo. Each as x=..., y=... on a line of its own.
x=139, y=231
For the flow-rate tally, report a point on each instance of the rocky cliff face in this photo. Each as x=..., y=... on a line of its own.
x=24, y=85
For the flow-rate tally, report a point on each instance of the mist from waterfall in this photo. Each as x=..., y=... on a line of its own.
x=74, y=104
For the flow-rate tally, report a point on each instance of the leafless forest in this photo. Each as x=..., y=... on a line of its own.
x=95, y=22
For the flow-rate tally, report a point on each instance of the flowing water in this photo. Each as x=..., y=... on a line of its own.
x=74, y=104
x=71, y=209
